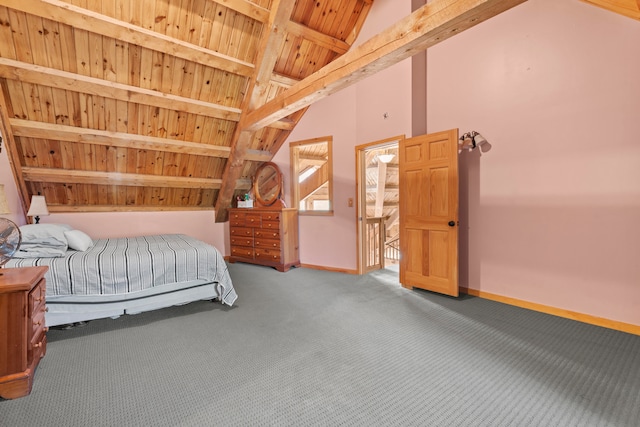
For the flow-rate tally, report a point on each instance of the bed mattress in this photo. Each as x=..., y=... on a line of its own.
x=131, y=275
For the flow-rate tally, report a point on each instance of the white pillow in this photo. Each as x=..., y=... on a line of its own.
x=44, y=235
x=78, y=240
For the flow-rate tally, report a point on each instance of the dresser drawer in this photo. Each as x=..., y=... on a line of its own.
x=253, y=220
x=242, y=252
x=272, y=255
x=270, y=225
x=241, y=231
x=237, y=218
x=267, y=244
x=241, y=241
x=267, y=234
x=271, y=216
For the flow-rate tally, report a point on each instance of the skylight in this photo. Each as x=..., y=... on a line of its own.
x=307, y=173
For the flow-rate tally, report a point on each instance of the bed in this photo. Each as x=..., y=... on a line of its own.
x=92, y=279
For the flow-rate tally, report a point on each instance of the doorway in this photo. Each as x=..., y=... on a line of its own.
x=407, y=207
x=377, y=182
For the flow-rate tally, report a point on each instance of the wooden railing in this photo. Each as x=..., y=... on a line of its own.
x=374, y=239
x=392, y=249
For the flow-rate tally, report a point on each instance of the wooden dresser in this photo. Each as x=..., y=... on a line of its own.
x=265, y=236
x=23, y=339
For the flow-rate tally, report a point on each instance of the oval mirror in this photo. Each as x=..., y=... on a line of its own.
x=267, y=184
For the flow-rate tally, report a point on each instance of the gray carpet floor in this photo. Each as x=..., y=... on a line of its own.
x=321, y=348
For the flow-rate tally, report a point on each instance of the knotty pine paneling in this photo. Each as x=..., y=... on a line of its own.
x=34, y=40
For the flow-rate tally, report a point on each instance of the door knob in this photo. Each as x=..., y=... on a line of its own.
x=452, y=223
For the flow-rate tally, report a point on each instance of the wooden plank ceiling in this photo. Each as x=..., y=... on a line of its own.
x=127, y=105
x=630, y=8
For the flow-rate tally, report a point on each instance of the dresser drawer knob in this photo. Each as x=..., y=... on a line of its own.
x=38, y=345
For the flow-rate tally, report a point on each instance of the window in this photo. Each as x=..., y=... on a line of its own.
x=312, y=176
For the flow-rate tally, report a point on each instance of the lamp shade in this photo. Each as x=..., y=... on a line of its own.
x=4, y=206
x=38, y=206
x=386, y=158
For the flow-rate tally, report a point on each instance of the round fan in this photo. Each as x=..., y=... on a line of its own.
x=10, y=239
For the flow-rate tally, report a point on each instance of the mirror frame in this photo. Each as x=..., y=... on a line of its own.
x=260, y=198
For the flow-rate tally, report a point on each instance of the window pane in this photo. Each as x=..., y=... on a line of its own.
x=312, y=176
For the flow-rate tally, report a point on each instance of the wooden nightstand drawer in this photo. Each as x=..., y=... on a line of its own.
x=37, y=298
x=37, y=323
x=38, y=347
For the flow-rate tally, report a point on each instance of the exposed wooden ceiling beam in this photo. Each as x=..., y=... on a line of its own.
x=282, y=80
x=127, y=179
x=630, y=8
x=123, y=208
x=272, y=38
x=312, y=159
x=35, y=74
x=427, y=26
x=362, y=16
x=283, y=124
x=10, y=145
x=20, y=71
x=246, y=8
x=40, y=130
x=316, y=37
x=104, y=25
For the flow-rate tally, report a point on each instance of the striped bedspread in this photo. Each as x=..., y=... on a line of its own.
x=132, y=264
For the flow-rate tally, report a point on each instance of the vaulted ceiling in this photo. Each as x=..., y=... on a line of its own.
x=630, y=8
x=173, y=104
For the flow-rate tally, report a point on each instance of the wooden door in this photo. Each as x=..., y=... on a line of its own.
x=429, y=212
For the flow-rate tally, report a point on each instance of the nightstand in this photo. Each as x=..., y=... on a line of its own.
x=23, y=339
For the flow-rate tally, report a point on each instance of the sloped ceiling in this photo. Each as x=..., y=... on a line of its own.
x=630, y=8
x=173, y=104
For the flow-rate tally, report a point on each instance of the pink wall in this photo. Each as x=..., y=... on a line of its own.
x=353, y=116
x=329, y=241
x=6, y=178
x=550, y=213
